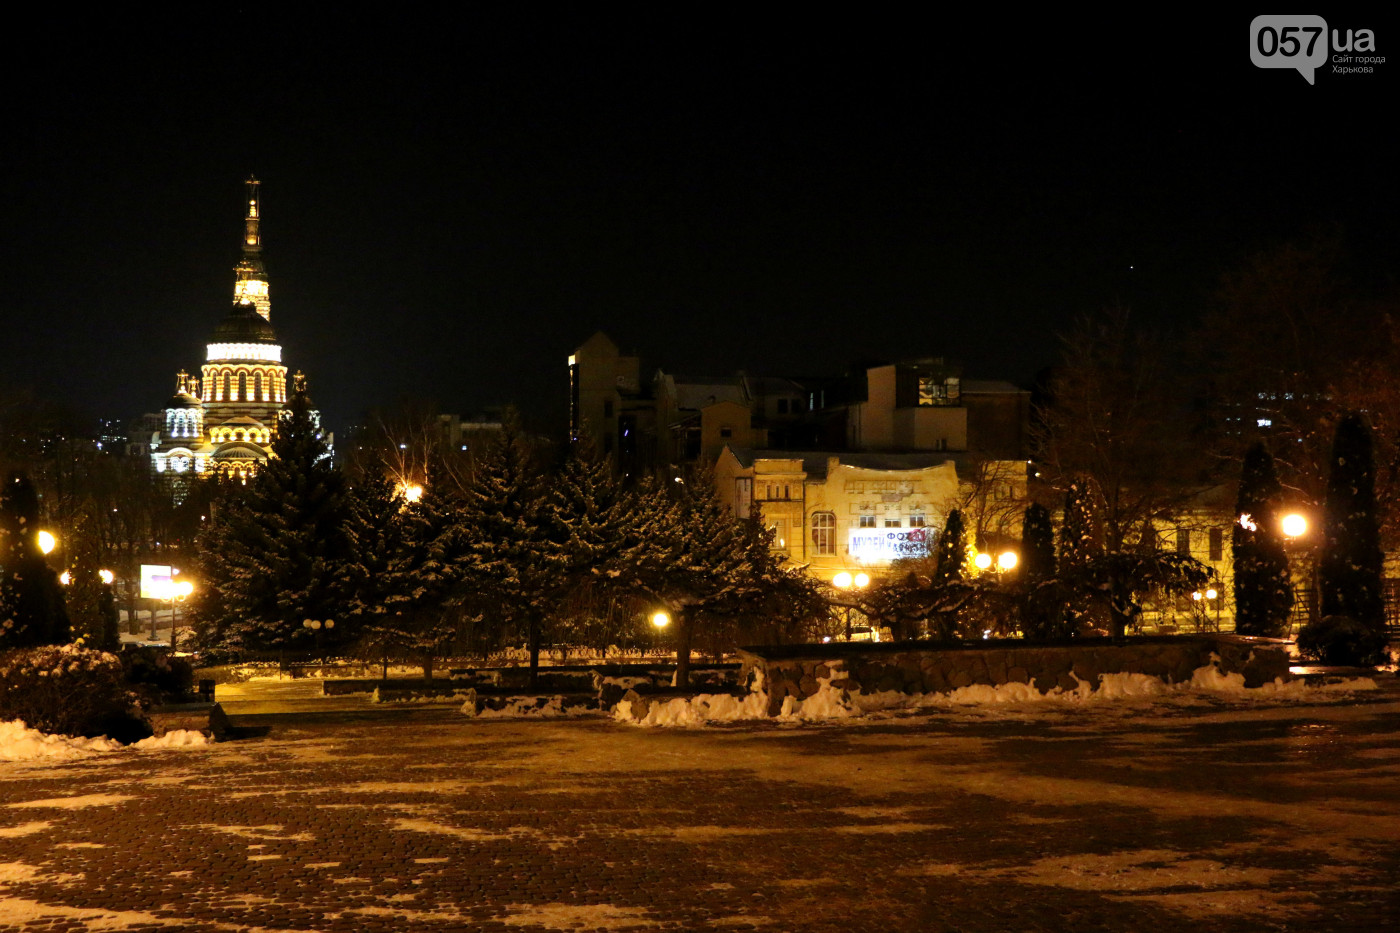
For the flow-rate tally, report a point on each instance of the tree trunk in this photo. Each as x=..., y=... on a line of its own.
x=534, y=639
x=683, y=636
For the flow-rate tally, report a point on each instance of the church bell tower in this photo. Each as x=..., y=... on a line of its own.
x=250, y=282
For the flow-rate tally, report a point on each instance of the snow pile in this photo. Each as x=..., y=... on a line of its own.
x=697, y=710
x=175, y=738
x=701, y=709
x=835, y=703
x=527, y=707
x=18, y=742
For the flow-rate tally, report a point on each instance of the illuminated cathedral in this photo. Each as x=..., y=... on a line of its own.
x=222, y=421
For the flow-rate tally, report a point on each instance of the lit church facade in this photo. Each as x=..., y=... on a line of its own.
x=222, y=421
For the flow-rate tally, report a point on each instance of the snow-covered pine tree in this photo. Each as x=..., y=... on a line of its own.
x=31, y=601
x=1263, y=592
x=1350, y=565
x=586, y=516
x=772, y=601
x=510, y=565
x=275, y=552
x=1078, y=537
x=687, y=554
x=399, y=584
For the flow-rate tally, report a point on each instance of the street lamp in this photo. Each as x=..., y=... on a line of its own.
x=176, y=593
x=317, y=626
x=1006, y=560
x=1295, y=527
x=845, y=581
x=47, y=542
x=660, y=619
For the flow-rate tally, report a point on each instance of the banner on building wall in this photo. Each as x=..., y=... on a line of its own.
x=870, y=545
x=155, y=581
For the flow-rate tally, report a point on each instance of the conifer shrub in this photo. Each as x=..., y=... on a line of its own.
x=158, y=675
x=1341, y=640
x=70, y=690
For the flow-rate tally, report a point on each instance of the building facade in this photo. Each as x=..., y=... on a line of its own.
x=860, y=512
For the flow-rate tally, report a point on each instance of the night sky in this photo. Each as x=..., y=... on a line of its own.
x=451, y=207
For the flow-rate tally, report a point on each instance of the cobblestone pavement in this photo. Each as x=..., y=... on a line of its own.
x=1221, y=816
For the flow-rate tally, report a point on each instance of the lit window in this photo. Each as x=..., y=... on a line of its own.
x=824, y=533
x=934, y=391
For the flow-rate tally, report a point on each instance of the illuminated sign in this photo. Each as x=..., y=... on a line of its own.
x=155, y=581
x=871, y=546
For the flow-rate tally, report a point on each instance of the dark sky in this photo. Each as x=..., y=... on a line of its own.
x=451, y=207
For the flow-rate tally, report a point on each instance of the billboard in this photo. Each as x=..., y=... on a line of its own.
x=875, y=546
x=156, y=581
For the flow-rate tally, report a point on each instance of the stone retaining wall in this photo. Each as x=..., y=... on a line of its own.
x=919, y=667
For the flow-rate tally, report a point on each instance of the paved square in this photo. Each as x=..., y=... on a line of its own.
x=1138, y=816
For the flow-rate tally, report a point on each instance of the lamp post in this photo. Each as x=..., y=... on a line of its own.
x=317, y=626
x=846, y=581
x=179, y=592
x=1294, y=526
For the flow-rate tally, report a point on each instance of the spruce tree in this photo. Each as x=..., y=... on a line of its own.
x=275, y=553
x=947, y=591
x=1037, y=544
x=32, y=610
x=952, y=552
x=511, y=569
x=1079, y=551
x=1041, y=606
x=91, y=606
x=410, y=557
x=688, y=555
x=1350, y=565
x=1078, y=540
x=585, y=517
x=1263, y=593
